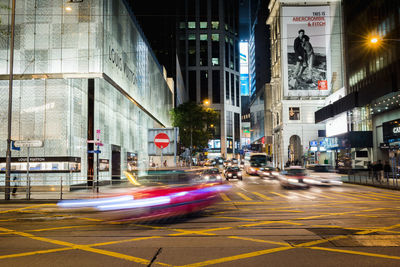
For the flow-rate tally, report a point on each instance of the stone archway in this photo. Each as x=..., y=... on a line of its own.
x=295, y=149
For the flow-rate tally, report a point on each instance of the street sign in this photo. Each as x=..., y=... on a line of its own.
x=161, y=140
x=13, y=147
x=28, y=143
x=94, y=151
x=96, y=142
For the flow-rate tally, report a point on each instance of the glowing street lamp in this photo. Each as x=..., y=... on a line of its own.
x=206, y=102
x=374, y=40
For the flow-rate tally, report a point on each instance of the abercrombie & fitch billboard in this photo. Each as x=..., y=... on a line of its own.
x=306, y=57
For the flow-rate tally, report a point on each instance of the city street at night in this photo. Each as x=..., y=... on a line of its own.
x=257, y=223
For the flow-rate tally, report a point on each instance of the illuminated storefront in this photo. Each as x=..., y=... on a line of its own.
x=82, y=74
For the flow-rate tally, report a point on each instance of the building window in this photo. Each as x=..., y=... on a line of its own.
x=203, y=85
x=226, y=52
x=192, y=49
x=215, y=25
x=214, y=10
x=227, y=86
x=232, y=89
x=192, y=86
x=294, y=113
x=229, y=123
x=237, y=90
x=216, y=87
x=192, y=25
x=203, y=50
x=203, y=24
x=215, y=61
x=182, y=25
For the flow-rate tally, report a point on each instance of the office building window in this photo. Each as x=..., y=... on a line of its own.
x=215, y=49
x=215, y=11
x=182, y=25
x=192, y=85
x=203, y=24
x=192, y=25
x=232, y=89
x=226, y=52
x=215, y=61
x=203, y=85
x=237, y=126
x=203, y=50
x=237, y=90
x=192, y=49
x=216, y=92
x=227, y=86
x=215, y=25
x=229, y=124
x=294, y=113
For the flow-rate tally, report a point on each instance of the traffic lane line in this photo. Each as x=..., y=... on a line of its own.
x=237, y=257
x=27, y=207
x=260, y=240
x=356, y=253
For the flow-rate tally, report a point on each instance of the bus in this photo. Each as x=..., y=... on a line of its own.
x=253, y=161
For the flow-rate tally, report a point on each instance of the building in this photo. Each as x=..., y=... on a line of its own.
x=83, y=72
x=369, y=111
x=162, y=37
x=299, y=86
x=260, y=76
x=209, y=47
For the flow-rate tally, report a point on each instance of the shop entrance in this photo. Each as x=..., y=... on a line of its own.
x=295, y=150
x=115, y=162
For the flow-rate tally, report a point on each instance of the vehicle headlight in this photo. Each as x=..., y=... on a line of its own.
x=219, y=177
x=275, y=173
x=239, y=174
x=293, y=180
x=229, y=174
x=206, y=177
x=311, y=181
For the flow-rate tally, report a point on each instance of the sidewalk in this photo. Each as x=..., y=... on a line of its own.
x=364, y=179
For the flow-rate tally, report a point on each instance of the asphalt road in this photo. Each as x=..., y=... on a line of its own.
x=257, y=223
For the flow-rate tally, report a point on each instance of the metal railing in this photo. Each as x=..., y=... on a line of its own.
x=378, y=179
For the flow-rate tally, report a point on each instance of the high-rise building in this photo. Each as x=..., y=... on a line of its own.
x=363, y=125
x=209, y=46
x=306, y=67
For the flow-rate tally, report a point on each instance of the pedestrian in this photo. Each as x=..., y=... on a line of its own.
x=387, y=169
x=374, y=170
x=369, y=167
x=15, y=185
x=165, y=163
x=379, y=170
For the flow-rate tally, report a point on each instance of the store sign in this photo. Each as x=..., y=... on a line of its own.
x=313, y=143
x=391, y=131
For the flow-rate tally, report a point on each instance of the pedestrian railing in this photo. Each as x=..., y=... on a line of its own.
x=381, y=179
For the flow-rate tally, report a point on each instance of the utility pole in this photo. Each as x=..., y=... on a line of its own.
x=10, y=86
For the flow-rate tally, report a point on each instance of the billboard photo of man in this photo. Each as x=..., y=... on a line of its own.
x=306, y=50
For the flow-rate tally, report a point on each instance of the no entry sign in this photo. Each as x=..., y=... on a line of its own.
x=161, y=140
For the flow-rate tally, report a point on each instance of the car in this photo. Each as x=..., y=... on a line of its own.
x=210, y=163
x=227, y=163
x=212, y=175
x=268, y=171
x=323, y=175
x=235, y=162
x=293, y=177
x=233, y=173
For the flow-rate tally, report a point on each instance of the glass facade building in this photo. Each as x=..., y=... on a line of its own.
x=81, y=73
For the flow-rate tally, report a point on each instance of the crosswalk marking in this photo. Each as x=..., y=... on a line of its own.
x=279, y=195
x=243, y=196
x=321, y=195
x=224, y=197
x=387, y=194
x=301, y=195
x=343, y=195
x=262, y=196
x=361, y=196
x=381, y=196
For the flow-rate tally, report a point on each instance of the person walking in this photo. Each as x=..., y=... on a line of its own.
x=379, y=170
x=387, y=169
x=369, y=167
x=15, y=185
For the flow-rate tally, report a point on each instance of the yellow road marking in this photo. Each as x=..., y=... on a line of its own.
x=201, y=232
x=270, y=222
x=224, y=197
x=362, y=196
x=33, y=253
x=320, y=195
x=342, y=195
x=234, y=218
x=60, y=228
x=262, y=196
x=319, y=241
x=260, y=241
x=357, y=253
x=383, y=196
x=28, y=207
x=301, y=195
x=123, y=241
x=368, y=216
x=81, y=247
x=279, y=195
x=243, y=196
x=237, y=257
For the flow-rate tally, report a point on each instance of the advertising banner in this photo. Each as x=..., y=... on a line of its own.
x=306, y=58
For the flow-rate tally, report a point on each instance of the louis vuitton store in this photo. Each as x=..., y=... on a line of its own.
x=86, y=73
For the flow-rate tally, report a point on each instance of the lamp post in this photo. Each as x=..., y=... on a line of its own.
x=9, y=118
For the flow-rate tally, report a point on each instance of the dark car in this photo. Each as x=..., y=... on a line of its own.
x=212, y=175
x=293, y=178
x=269, y=172
x=233, y=173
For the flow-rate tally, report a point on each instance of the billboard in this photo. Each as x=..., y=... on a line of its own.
x=244, y=68
x=306, y=57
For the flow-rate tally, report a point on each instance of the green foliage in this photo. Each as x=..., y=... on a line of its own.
x=197, y=120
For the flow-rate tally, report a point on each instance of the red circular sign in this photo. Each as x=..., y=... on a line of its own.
x=161, y=140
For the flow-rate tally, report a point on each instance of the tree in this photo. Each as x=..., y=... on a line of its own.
x=195, y=122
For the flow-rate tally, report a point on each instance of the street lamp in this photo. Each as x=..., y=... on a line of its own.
x=206, y=102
